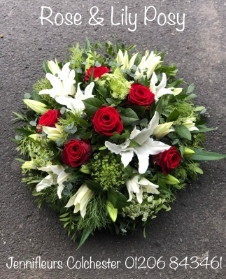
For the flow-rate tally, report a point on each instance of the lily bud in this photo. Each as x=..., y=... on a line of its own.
x=190, y=124
x=85, y=169
x=172, y=180
x=54, y=68
x=163, y=129
x=53, y=133
x=28, y=165
x=35, y=137
x=36, y=106
x=188, y=151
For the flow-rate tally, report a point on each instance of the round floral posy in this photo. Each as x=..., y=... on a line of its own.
x=109, y=137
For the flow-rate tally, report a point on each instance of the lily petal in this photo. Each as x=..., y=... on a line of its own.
x=127, y=156
x=149, y=186
x=117, y=148
x=163, y=82
x=45, y=183
x=146, y=133
x=150, y=147
x=71, y=103
x=132, y=187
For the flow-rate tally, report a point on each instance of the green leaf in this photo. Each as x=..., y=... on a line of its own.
x=27, y=95
x=83, y=123
x=159, y=106
x=64, y=219
x=94, y=186
x=112, y=211
x=183, y=131
x=128, y=116
x=200, y=108
x=92, y=105
x=204, y=155
x=24, y=132
x=33, y=123
x=46, y=67
x=19, y=116
x=35, y=96
x=139, y=110
x=85, y=235
x=173, y=116
x=64, y=215
x=203, y=129
x=87, y=45
x=191, y=88
x=191, y=96
x=124, y=135
x=117, y=199
x=128, y=171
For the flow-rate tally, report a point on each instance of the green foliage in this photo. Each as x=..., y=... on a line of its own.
x=96, y=215
x=41, y=152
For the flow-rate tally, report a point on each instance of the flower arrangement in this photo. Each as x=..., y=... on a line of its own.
x=108, y=138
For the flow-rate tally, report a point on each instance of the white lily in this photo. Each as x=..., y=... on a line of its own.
x=63, y=84
x=141, y=144
x=148, y=64
x=138, y=186
x=190, y=124
x=56, y=175
x=53, y=133
x=123, y=59
x=80, y=200
x=159, y=90
x=162, y=130
x=76, y=103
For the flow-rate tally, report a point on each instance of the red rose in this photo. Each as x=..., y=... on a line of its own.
x=76, y=152
x=167, y=160
x=48, y=119
x=107, y=120
x=140, y=95
x=97, y=72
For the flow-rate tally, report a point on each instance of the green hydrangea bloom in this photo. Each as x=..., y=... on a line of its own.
x=119, y=86
x=41, y=85
x=107, y=171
